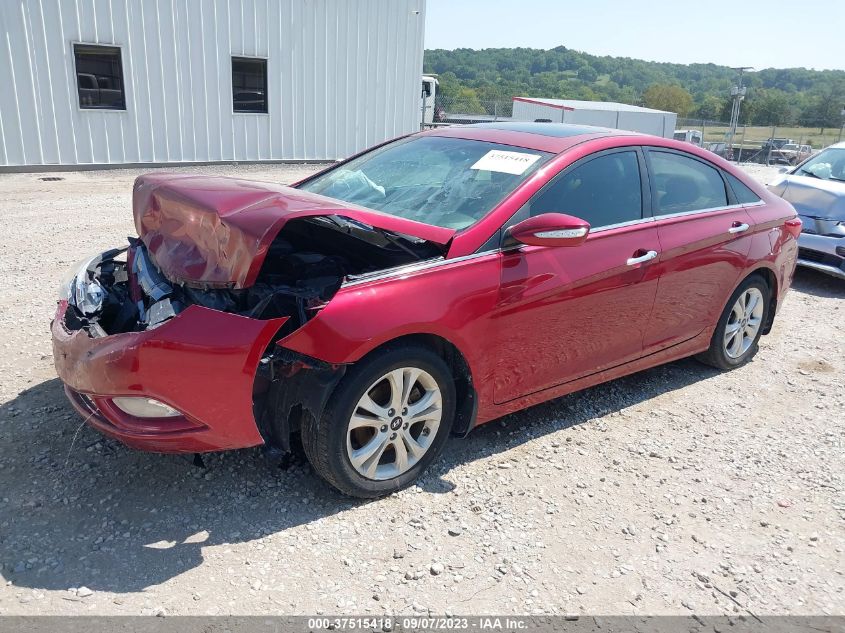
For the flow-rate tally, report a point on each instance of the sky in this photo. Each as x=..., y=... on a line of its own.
x=758, y=33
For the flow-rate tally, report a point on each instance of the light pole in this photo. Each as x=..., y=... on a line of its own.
x=737, y=94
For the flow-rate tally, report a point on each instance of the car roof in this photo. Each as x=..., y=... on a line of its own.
x=545, y=137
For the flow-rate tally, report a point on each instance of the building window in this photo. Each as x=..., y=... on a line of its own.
x=99, y=77
x=249, y=84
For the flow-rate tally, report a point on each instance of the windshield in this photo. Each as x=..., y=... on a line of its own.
x=827, y=165
x=447, y=182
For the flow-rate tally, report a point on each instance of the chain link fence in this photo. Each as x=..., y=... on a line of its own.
x=772, y=145
x=782, y=145
x=452, y=111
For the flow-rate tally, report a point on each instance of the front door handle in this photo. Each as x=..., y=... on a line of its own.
x=633, y=261
x=738, y=227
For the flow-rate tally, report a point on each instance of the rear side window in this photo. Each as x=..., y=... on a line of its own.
x=685, y=184
x=603, y=191
x=743, y=194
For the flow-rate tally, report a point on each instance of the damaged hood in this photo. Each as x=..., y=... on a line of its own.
x=815, y=197
x=216, y=231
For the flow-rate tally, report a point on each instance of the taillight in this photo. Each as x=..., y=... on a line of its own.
x=793, y=226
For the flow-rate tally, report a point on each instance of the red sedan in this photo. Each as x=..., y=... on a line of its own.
x=415, y=291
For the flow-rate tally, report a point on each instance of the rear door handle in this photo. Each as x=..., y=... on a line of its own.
x=738, y=227
x=633, y=261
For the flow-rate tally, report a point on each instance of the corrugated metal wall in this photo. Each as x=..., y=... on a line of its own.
x=342, y=75
x=529, y=111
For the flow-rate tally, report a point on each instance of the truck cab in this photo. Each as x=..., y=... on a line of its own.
x=696, y=137
x=429, y=93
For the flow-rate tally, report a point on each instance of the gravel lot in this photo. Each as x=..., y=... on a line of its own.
x=674, y=490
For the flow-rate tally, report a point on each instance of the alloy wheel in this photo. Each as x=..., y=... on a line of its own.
x=394, y=423
x=744, y=323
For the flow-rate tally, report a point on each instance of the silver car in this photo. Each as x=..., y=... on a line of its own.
x=816, y=188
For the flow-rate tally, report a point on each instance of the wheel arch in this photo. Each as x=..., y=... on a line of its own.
x=466, y=405
x=767, y=273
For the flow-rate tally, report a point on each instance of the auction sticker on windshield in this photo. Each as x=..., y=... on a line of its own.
x=506, y=162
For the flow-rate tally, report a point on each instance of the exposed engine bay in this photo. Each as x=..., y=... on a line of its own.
x=123, y=290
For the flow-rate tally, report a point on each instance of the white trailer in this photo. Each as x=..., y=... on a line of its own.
x=619, y=116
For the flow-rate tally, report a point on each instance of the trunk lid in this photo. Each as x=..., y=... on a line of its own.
x=214, y=232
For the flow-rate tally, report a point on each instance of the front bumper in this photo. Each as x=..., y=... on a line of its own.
x=822, y=253
x=202, y=363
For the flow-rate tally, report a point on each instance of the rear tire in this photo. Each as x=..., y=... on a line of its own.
x=735, y=340
x=387, y=420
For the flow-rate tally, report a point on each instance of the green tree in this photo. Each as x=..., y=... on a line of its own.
x=816, y=97
x=587, y=74
x=669, y=98
x=710, y=108
x=771, y=107
x=826, y=107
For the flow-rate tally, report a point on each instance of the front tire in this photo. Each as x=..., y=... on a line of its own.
x=740, y=326
x=388, y=419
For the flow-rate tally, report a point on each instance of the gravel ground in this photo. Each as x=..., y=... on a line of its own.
x=675, y=490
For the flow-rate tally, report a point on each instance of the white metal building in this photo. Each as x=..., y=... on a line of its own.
x=90, y=82
x=600, y=113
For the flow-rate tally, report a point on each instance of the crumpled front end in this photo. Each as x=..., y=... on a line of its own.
x=170, y=368
x=168, y=343
x=200, y=365
x=821, y=207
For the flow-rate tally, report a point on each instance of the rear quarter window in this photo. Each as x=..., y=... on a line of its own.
x=742, y=192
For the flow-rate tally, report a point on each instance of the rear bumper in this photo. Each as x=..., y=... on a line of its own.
x=202, y=363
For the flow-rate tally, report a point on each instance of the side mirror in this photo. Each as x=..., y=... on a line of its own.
x=783, y=170
x=548, y=229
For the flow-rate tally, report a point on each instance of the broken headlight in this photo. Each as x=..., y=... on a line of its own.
x=79, y=288
x=89, y=295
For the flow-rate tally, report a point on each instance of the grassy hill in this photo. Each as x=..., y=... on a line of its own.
x=791, y=96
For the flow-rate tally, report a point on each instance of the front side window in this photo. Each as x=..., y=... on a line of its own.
x=603, y=191
x=249, y=84
x=447, y=182
x=99, y=77
x=685, y=184
x=826, y=165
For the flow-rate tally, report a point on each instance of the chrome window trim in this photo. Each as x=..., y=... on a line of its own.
x=408, y=269
x=608, y=227
x=709, y=210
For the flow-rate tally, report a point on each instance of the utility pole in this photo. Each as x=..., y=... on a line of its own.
x=842, y=127
x=737, y=94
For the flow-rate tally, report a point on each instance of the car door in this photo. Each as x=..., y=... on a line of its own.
x=567, y=312
x=705, y=238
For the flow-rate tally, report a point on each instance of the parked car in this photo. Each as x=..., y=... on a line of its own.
x=415, y=291
x=720, y=149
x=775, y=144
x=816, y=188
x=791, y=153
